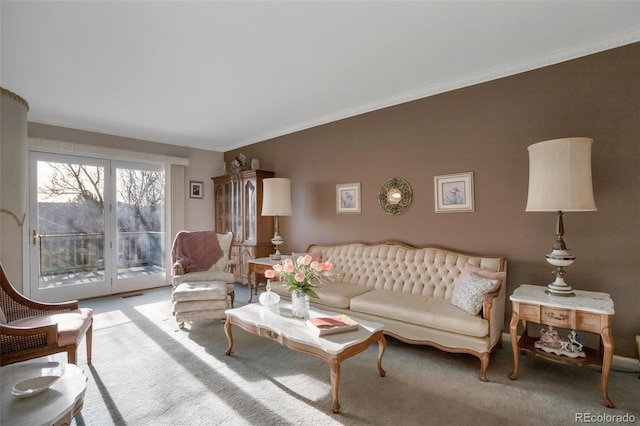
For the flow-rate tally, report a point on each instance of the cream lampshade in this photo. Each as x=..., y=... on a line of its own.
x=276, y=201
x=560, y=181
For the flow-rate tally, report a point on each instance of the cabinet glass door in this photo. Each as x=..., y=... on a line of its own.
x=233, y=209
x=219, y=208
x=251, y=211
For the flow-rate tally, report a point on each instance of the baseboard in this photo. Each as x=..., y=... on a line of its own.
x=625, y=364
x=619, y=363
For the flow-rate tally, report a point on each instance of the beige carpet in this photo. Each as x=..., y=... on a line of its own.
x=148, y=372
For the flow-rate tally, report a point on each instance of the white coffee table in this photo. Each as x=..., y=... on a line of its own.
x=295, y=335
x=55, y=406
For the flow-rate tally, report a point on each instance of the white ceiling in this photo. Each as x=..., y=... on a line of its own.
x=220, y=75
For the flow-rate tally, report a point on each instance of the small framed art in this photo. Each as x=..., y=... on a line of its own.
x=348, y=198
x=454, y=193
x=196, y=189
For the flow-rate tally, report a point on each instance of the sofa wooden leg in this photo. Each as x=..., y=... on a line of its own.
x=484, y=365
x=233, y=297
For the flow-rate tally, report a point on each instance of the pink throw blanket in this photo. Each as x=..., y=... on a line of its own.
x=195, y=251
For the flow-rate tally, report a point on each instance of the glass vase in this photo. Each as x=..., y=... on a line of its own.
x=299, y=304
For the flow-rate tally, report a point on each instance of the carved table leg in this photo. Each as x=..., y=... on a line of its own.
x=227, y=331
x=334, y=362
x=513, y=333
x=382, y=345
x=607, y=342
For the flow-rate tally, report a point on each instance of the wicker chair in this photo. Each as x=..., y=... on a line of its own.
x=31, y=329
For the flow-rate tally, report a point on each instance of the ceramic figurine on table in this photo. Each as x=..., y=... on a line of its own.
x=575, y=343
x=549, y=339
x=551, y=342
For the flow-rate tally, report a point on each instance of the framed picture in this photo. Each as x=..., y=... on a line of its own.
x=196, y=189
x=454, y=193
x=348, y=198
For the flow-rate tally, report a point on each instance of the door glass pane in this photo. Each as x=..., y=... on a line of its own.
x=140, y=222
x=70, y=223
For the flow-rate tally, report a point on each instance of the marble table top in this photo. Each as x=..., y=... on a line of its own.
x=265, y=261
x=279, y=320
x=47, y=407
x=589, y=301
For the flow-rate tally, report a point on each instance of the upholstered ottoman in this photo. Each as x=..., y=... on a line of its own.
x=193, y=301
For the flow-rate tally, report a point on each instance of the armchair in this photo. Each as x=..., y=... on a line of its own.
x=31, y=329
x=200, y=295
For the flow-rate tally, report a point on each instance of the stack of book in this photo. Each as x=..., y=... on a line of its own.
x=331, y=325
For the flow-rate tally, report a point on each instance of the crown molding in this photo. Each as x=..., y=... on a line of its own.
x=619, y=40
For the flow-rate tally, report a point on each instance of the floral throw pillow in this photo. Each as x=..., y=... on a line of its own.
x=471, y=292
x=469, y=268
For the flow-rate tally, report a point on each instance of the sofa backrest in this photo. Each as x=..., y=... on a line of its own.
x=429, y=271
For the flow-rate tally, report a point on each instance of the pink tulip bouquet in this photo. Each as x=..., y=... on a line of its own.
x=303, y=274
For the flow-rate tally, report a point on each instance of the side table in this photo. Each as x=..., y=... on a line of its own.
x=257, y=266
x=55, y=406
x=586, y=311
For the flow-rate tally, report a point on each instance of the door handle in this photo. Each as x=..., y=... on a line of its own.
x=34, y=238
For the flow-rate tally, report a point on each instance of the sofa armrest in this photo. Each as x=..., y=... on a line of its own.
x=493, y=308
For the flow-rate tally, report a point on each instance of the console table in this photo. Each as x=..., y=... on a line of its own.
x=586, y=311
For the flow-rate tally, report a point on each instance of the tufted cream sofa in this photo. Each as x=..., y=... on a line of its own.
x=408, y=290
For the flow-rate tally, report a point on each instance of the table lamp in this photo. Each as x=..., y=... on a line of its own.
x=276, y=201
x=560, y=181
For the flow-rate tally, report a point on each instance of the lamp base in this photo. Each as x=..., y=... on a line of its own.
x=276, y=241
x=276, y=256
x=560, y=288
x=560, y=257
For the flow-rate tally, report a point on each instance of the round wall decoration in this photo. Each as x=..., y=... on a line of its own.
x=395, y=196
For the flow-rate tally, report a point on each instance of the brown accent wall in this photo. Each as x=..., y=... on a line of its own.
x=486, y=129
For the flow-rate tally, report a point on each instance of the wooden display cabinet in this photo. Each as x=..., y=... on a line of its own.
x=237, y=205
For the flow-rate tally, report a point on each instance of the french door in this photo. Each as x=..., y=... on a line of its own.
x=96, y=227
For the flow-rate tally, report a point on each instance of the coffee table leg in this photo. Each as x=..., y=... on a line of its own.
x=227, y=331
x=335, y=381
x=382, y=345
